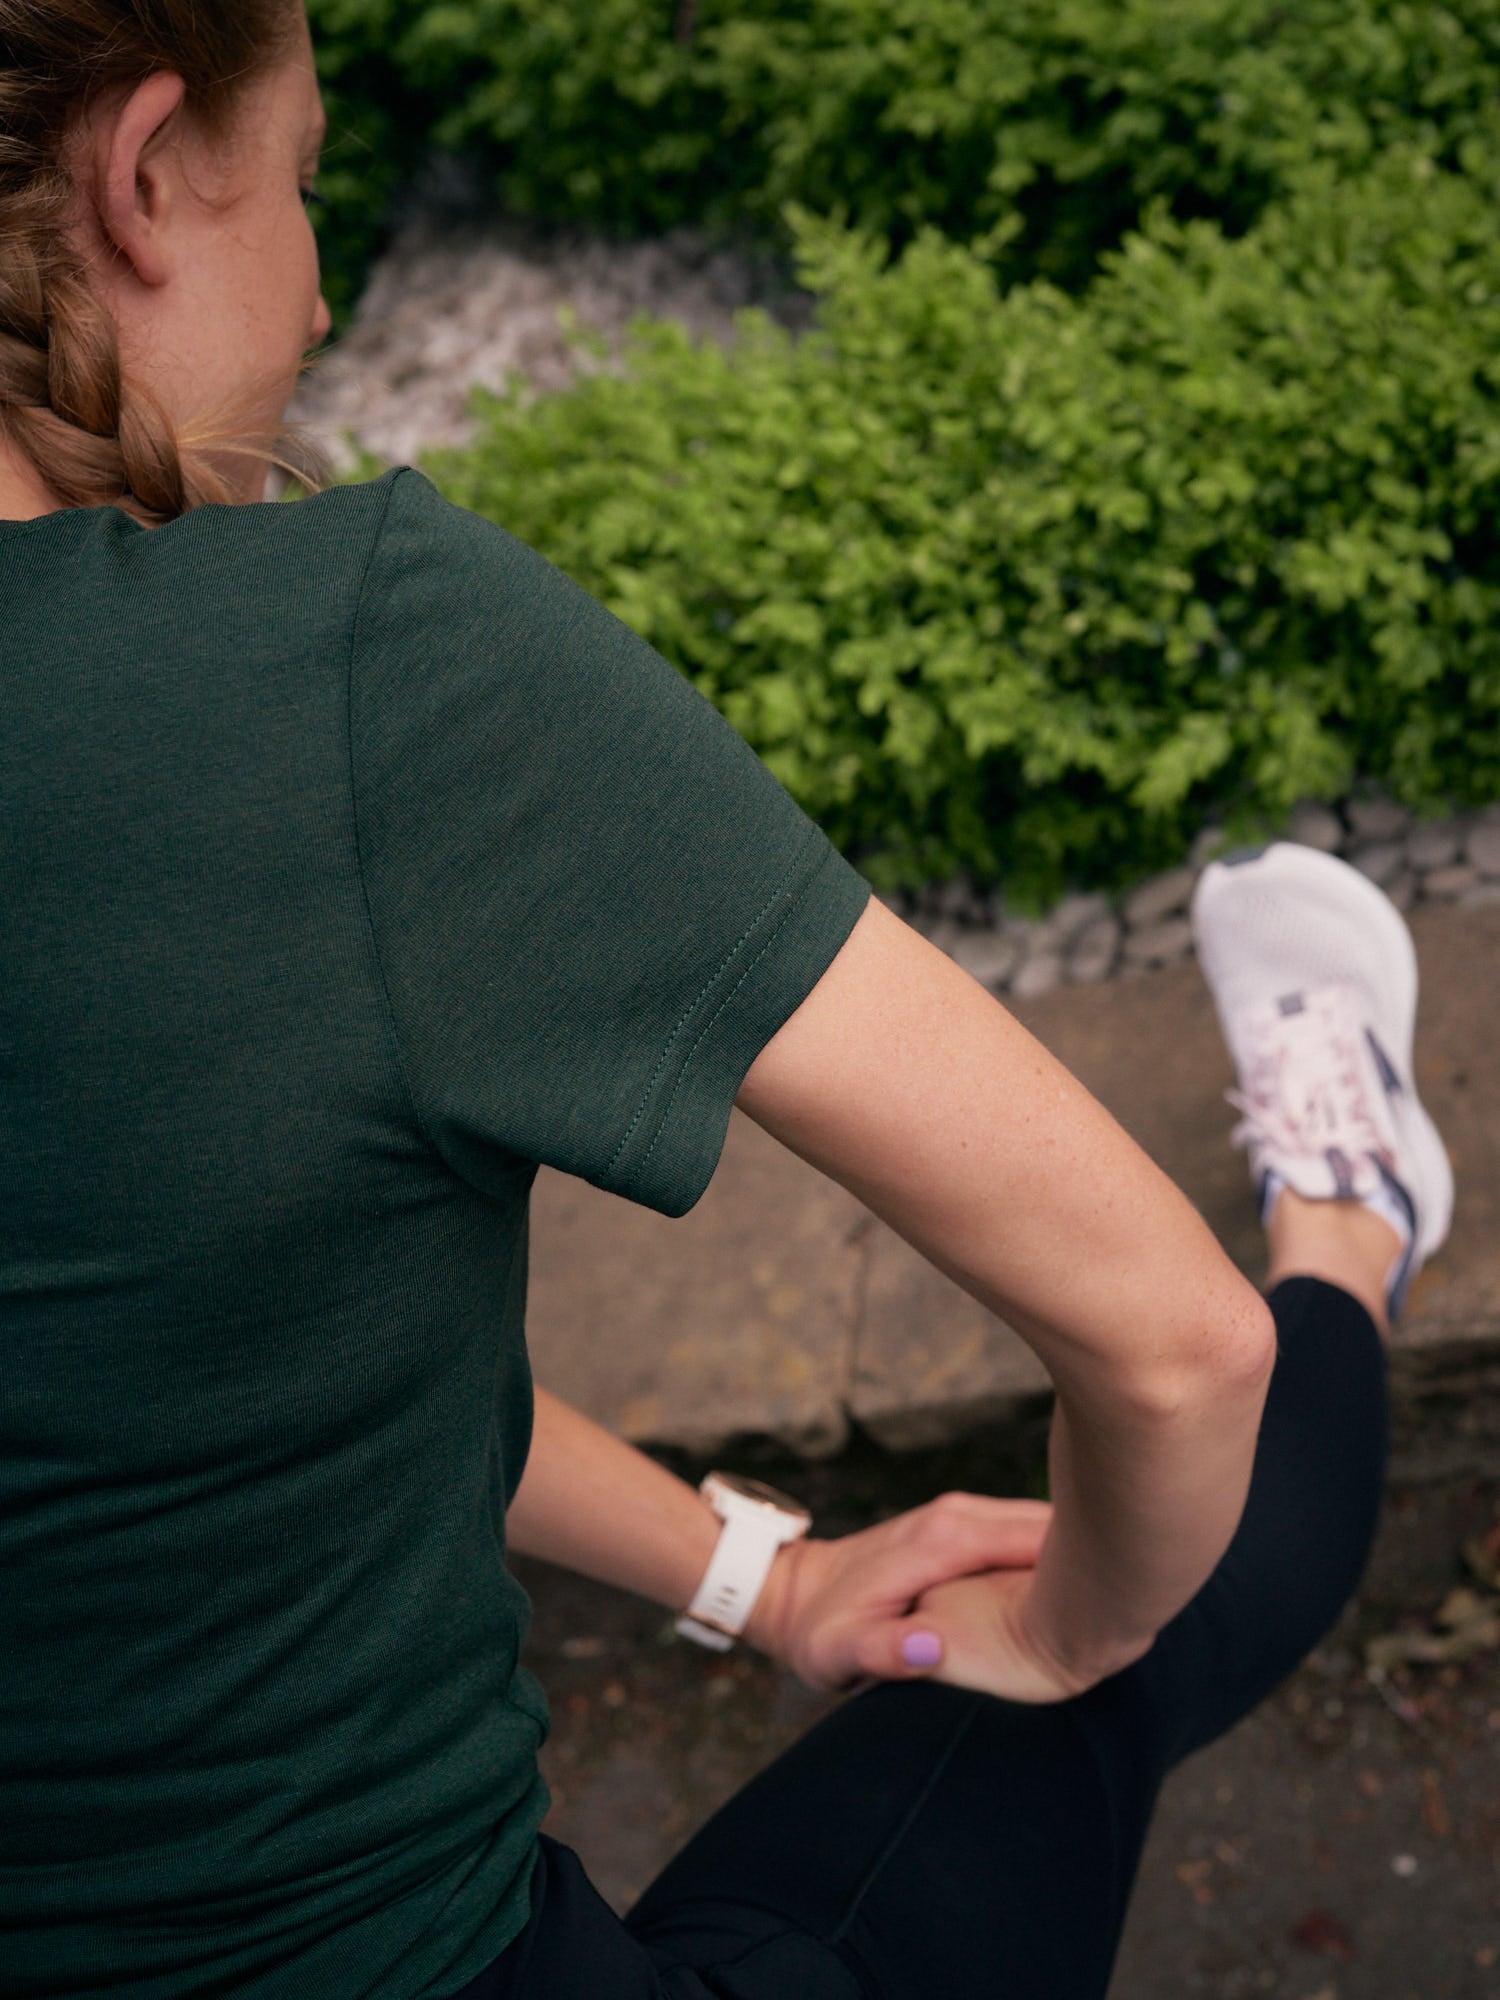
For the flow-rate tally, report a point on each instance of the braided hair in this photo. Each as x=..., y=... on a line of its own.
x=94, y=438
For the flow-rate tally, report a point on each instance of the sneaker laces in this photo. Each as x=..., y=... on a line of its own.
x=1311, y=1090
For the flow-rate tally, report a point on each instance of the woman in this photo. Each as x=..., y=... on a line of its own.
x=354, y=863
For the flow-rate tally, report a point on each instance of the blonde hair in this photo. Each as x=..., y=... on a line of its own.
x=94, y=438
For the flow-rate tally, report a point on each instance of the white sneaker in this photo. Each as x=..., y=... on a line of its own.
x=1314, y=976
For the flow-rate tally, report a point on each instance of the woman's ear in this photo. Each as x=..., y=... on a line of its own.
x=135, y=181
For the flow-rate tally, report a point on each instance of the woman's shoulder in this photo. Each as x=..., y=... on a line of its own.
x=332, y=545
x=338, y=524
x=343, y=519
x=401, y=527
x=305, y=563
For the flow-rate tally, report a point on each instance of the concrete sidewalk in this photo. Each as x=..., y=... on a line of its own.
x=780, y=1307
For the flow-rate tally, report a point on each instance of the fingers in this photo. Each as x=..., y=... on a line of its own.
x=861, y=1609
x=1001, y=1531
x=959, y=1534
x=905, y=1649
x=985, y=1645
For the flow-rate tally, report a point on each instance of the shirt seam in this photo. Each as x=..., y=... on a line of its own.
x=702, y=994
x=666, y=1115
x=359, y=861
x=785, y=918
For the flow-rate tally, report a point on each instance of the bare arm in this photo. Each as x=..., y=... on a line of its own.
x=905, y=1081
x=595, y=1504
x=835, y=1611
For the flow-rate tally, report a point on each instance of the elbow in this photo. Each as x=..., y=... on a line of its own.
x=1245, y=1348
x=1223, y=1357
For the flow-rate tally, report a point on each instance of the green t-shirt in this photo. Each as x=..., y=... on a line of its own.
x=352, y=862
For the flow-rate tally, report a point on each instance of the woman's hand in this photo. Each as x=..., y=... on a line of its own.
x=991, y=1642
x=876, y=1605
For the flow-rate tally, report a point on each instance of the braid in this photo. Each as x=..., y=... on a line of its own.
x=62, y=397
x=93, y=438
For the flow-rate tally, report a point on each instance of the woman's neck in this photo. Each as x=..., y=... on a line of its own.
x=23, y=495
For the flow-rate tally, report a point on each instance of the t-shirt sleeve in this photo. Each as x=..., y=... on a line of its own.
x=592, y=904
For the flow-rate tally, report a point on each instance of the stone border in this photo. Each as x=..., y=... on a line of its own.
x=1087, y=938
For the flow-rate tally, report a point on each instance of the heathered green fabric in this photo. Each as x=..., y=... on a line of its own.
x=352, y=862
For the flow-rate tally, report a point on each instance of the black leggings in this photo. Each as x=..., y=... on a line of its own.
x=925, y=1841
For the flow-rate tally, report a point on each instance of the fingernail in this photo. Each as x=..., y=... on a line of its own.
x=921, y=1649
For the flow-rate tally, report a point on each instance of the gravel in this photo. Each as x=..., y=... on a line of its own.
x=1446, y=885
x=945, y=932
x=1314, y=825
x=1160, y=944
x=1434, y=845
x=448, y=308
x=1101, y=939
x=1161, y=898
x=1076, y=916
x=1376, y=819
x=988, y=956
x=1382, y=861
x=1089, y=968
x=1402, y=890
x=1037, y=976
x=1089, y=937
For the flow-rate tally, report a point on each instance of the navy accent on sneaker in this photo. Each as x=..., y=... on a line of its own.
x=1396, y=1292
x=1393, y=1084
x=1290, y=1004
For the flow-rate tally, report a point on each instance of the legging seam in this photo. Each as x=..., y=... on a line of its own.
x=839, y=1935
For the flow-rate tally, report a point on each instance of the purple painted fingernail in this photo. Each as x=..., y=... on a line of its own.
x=921, y=1649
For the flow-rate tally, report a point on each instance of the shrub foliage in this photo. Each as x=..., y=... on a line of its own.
x=1029, y=582
x=1070, y=116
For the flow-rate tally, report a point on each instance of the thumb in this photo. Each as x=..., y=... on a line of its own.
x=904, y=1649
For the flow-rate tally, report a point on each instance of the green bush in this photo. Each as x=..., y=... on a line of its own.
x=1070, y=115
x=1032, y=584
x=377, y=137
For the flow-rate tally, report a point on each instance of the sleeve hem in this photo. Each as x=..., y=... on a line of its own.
x=673, y=1144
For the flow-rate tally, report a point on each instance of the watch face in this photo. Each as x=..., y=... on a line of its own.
x=763, y=1495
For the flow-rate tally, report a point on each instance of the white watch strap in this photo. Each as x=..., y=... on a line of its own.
x=733, y=1580
x=689, y=1628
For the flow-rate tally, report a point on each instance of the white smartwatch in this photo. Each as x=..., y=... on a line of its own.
x=757, y=1522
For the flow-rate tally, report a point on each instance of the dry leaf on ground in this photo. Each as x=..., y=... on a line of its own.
x=1468, y=1624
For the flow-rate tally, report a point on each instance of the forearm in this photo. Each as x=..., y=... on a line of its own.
x=1161, y=1355
x=1146, y=1502
x=911, y=1086
x=1150, y=1454
x=595, y=1504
